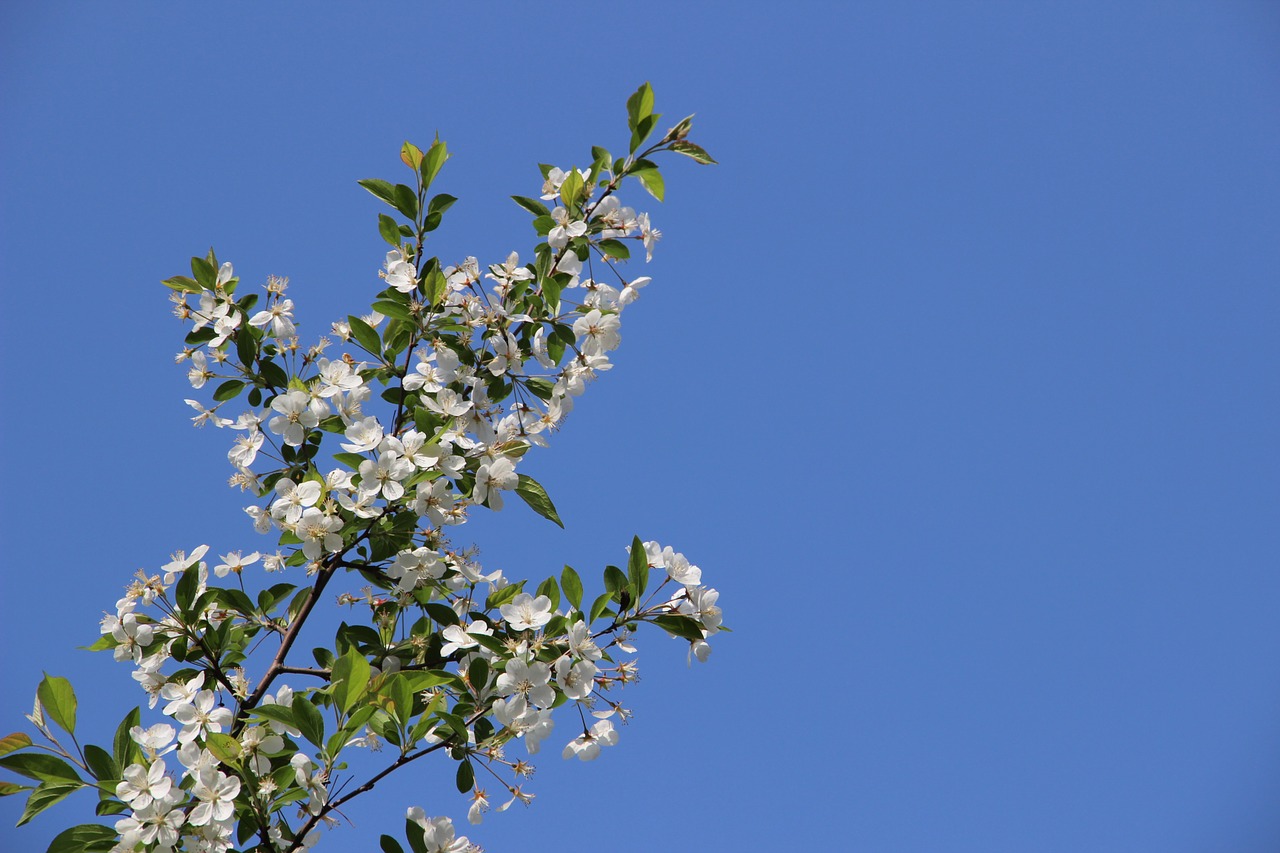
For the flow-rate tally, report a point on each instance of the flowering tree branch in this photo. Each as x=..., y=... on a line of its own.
x=452, y=659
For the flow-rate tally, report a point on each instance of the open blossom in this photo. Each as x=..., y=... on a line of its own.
x=439, y=835
x=233, y=562
x=279, y=316
x=491, y=478
x=385, y=476
x=524, y=612
x=399, y=273
x=297, y=413
x=576, y=680
x=587, y=745
x=337, y=377
x=530, y=680
x=598, y=332
x=201, y=717
x=565, y=229
x=456, y=637
x=294, y=499
x=319, y=533
x=217, y=794
x=199, y=372
x=411, y=568
x=363, y=435
x=141, y=785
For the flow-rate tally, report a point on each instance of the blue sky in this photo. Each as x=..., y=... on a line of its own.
x=958, y=377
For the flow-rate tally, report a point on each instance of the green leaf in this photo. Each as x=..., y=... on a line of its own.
x=639, y=105
x=390, y=845
x=551, y=590
x=411, y=155
x=405, y=200
x=184, y=593
x=45, y=768
x=466, y=779
x=393, y=309
x=380, y=189
x=532, y=205
x=615, y=249
x=14, y=742
x=442, y=614
x=434, y=159
x=572, y=586
x=206, y=274
x=638, y=569
x=601, y=157
x=309, y=721
x=614, y=580
x=8, y=789
x=350, y=679
x=435, y=285
x=600, y=605
x=389, y=230
x=417, y=838
x=401, y=696
x=123, y=746
x=536, y=497
x=697, y=152
x=440, y=203
x=43, y=797
x=551, y=290
x=279, y=713
x=351, y=460
x=571, y=188
x=364, y=335
x=225, y=748
x=59, y=701
x=273, y=373
x=182, y=284
x=681, y=626
x=227, y=390
x=478, y=674
x=652, y=181
x=100, y=762
x=85, y=838
x=643, y=129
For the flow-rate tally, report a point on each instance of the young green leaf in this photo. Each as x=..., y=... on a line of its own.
x=688, y=149
x=123, y=745
x=350, y=679
x=389, y=230
x=43, y=797
x=100, y=762
x=13, y=742
x=638, y=569
x=228, y=390
x=466, y=779
x=380, y=189
x=639, y=105
x=364, y=335
x=309, y=721
x=59, y=701
x=572, y=586
x=534, y=206
x=434, y=159
x=536, y=497
x=46, y=768
x=651, y=180
x=85, y=838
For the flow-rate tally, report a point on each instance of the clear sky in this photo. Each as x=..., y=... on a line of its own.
x=958, y=377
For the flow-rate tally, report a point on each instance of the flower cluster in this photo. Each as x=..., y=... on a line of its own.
x=435, y=399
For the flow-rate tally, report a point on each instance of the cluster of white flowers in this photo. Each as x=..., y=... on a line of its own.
x=475, y=369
